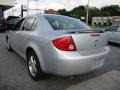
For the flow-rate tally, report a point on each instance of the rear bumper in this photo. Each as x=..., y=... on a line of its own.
x=75, y=64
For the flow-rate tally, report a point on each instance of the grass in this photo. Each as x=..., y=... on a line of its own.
x=99, y=27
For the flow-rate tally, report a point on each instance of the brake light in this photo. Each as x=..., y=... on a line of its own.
x=64, y=43
x=95, y=34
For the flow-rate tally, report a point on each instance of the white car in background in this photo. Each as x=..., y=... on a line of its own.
x=113, y=33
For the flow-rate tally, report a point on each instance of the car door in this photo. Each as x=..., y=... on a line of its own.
x=118, y=35
x=111, y=33
x=13, y=39
x=26, y=32
x=115, y=33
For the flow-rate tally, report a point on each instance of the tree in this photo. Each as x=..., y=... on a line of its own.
x=64, y=12
x=105, y=13
x=93, y=12
x=80, y=11
x=77, y=12
x=112, y=10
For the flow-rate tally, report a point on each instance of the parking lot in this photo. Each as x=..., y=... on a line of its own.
x=14, y=74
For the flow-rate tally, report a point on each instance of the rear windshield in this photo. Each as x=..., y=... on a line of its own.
x=67, y=23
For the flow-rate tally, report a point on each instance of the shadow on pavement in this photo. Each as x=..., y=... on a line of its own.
x=114, y=44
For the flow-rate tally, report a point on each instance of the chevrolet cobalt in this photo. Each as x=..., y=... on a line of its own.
x=58, y=45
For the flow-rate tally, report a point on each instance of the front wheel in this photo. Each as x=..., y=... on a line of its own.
x=34, y=66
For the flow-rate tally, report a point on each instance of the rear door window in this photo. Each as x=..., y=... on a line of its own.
x=28, y=24
x=19, y=24
x=34, y=25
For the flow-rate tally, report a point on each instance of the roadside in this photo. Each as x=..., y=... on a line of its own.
x=14, y=74
x=107, y=81
x=98, y=27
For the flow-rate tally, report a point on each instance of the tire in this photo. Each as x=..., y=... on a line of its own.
x=34, y=67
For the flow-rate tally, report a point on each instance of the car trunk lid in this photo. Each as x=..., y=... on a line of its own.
x=88, y=39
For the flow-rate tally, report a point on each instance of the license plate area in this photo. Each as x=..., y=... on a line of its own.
x=98, y=62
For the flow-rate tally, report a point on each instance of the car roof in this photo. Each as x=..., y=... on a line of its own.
x=38, y=15
x=49, y=14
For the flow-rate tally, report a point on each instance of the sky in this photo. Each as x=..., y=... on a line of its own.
x=60, y=4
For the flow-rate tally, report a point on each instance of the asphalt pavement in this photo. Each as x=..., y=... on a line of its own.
x=14, y=74
x=107, y=81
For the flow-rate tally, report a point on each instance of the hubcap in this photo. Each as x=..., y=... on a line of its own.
x=32, y=66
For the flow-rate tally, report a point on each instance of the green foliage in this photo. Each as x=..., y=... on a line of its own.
x=77, y=12
x=80, y=11
x=64, y=12
x=113, y=10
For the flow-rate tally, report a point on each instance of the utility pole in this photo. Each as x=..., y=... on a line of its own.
x=21, y=10
x=37, y=6
x=28, y=7
x=87, y=13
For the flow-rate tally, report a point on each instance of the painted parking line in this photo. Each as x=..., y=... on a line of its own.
x=107, y=81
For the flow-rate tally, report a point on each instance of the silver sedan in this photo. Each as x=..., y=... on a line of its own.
x=113, y=33
x=57, y=44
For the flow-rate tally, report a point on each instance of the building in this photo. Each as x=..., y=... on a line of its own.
x=5, y=4
x=116, y=20
x=102, y=20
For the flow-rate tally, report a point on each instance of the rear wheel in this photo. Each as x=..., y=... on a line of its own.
x=34, y=66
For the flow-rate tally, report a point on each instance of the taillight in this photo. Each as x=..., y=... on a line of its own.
x=64, y=43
